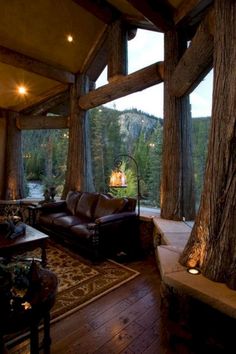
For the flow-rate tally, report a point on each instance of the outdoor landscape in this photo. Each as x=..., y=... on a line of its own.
x=112, y=132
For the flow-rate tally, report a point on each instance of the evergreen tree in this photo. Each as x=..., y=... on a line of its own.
x=200, y=144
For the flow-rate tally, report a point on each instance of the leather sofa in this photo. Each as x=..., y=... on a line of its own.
x=96, y=223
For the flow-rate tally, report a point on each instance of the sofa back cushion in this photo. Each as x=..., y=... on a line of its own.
x=72, y=200
x=107, y=206
x=131, y=204
x=86, y=205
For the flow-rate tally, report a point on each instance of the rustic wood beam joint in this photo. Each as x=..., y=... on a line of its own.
x=45, y=106
x=196, y=62
x=190, y=10
x=100, y=9
x=123, y=86
x=158, y=12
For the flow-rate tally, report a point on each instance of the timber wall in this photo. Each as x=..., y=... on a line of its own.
x=2, y=154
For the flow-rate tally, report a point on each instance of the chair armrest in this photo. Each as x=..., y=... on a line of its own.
x=115, y=217
x=53, y=207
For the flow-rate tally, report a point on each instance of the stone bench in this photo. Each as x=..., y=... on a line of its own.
x=172, y=233
x=170, y=238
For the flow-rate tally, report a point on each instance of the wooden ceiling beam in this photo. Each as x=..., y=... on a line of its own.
x=196, y=61
x=22, y=61
x=41, y=122
x=46, y=104
x=142, y=23
x=158, y=12
x=100, y=9
x=97, y=58
x=190, y=10
x=123, y=86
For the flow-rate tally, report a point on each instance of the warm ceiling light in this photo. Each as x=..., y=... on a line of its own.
x=70, y=38
x=22, y=90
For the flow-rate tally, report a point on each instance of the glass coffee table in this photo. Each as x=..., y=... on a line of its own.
x=32, y=239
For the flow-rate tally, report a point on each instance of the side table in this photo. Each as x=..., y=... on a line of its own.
x=33, y=211
x=18, y=318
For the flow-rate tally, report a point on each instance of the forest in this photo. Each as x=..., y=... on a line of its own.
x=112, y=133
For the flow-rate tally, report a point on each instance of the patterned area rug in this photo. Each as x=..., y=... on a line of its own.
x=81, y=281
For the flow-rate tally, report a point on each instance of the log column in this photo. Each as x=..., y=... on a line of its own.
x=177, y=186
x=212, y=244
x=14, y=188
x=78, y=174
x=118, y=52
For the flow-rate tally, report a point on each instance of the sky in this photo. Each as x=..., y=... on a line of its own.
x=145, y=49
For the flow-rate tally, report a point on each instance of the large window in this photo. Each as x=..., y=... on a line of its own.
x=129, y=132
x=201, y=104
x=45, y=156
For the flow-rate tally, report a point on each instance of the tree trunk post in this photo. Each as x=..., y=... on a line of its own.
x=118, y=52
x=14, y=163
x=177, y=186
x=78, y=175
x=212, y=244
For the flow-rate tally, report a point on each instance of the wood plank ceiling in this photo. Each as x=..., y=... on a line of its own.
x=34, y=49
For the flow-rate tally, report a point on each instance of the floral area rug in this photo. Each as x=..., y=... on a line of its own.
x=80, y=281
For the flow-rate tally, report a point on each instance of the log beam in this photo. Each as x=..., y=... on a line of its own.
x=118, y=51
x=196, y=62
x=107, y=13
x=177, y=186
x=158, y=12
x=45, y=106
x=79, y=170
x=212, y=243
x=14, y=164
x=42, y=122
x=123, y=86
x=100, y=9
x=190, y=10
x=97, y=60
x=22, y=61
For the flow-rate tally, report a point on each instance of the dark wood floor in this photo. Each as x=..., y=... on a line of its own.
x=127, y=320
x=124, y=321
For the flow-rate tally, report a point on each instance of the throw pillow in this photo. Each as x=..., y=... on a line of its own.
x=71, y=201
x=107, y=206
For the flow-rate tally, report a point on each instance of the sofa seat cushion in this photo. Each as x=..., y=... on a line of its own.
x=108, y=206
x=48, y=219
x=66, y=222
x=81, y=232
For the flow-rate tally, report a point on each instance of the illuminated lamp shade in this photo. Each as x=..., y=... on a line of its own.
x=118, y=179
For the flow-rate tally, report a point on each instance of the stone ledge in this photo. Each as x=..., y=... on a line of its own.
x=173, y=274
x=169, y=232
x=173, y=237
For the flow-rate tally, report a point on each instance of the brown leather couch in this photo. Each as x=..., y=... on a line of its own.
x=93, y=222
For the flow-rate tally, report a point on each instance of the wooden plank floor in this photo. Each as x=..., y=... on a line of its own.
x=126, y=320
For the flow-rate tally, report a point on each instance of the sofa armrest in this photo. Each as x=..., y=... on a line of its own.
x=53, y=207
x=115, y=217
x=91, y=226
